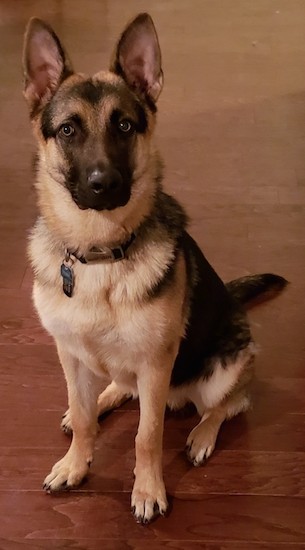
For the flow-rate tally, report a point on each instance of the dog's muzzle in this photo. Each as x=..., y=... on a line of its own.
x=103, y=190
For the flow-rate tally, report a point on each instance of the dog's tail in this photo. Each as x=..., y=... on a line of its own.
x=264, y=286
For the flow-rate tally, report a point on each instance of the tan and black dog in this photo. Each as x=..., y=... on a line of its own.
x=119, y=283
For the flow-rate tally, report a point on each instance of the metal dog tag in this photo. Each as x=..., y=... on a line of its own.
x=67, y=274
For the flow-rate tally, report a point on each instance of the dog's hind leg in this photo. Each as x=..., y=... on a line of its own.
x=202, y=439
x=83, y=388
x=220, y=397
x=112, y=397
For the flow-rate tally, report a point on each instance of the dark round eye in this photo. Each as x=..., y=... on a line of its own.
x=67, y=130
x=125, y=126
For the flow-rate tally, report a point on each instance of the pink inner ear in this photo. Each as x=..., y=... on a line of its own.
x=41, y=80
x=45, y=65
x=140, y=59
x=149, y=61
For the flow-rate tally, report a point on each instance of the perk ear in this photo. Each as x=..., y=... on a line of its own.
x=45, y=64
x=138, y=57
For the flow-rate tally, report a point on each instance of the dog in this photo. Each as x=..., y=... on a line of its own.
x=119, y=283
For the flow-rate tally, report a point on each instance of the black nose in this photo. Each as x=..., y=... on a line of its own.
x=101, y=181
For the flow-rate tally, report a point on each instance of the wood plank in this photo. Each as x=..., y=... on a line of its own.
x=18, y=320
x=227, y=472
x=139, y=544
x=254, y=431
x=193, y=518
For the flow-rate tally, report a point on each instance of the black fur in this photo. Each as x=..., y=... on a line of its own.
x=248, y=288
x=91, y=92
x=217, y=327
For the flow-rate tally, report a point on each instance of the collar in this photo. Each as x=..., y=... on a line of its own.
x=104, y=253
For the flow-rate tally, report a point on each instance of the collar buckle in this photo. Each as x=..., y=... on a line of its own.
x=96, y=254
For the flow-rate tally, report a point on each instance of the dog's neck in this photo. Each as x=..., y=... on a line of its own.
x=81, y=230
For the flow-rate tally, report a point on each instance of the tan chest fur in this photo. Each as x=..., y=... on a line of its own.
x=108, y=324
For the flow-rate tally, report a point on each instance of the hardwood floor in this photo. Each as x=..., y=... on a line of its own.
x=232, y=133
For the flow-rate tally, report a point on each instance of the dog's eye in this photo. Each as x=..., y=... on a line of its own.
x=67, y=130
x=125, y=126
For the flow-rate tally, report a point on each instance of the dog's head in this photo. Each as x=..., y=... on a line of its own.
x=94, y=133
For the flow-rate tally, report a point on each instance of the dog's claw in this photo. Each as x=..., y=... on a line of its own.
x=198, y=463
x=63, y=487
x=139, y=519
x=143, y=519
x=200, y=458
x=192, y=459
x=66, y=423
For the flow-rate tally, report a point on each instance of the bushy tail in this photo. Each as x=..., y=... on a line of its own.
x=250, y=287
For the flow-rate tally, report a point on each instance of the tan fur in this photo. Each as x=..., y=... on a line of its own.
x=107, y=330
x=110, y=329
x=95, y=345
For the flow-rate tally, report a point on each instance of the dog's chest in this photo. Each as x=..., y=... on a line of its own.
x=104, y=322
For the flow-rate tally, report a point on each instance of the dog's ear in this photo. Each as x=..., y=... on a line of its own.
x=45, y=64
x=137, y=57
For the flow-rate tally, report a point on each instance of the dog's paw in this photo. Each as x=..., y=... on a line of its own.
x=67, y=473
x=66, y=424
x=147, y=504
x=200, y=444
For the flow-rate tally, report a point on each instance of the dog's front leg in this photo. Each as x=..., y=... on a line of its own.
x=149, y=495
x=83, y=389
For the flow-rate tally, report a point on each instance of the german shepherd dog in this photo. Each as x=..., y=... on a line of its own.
x=119, y=283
